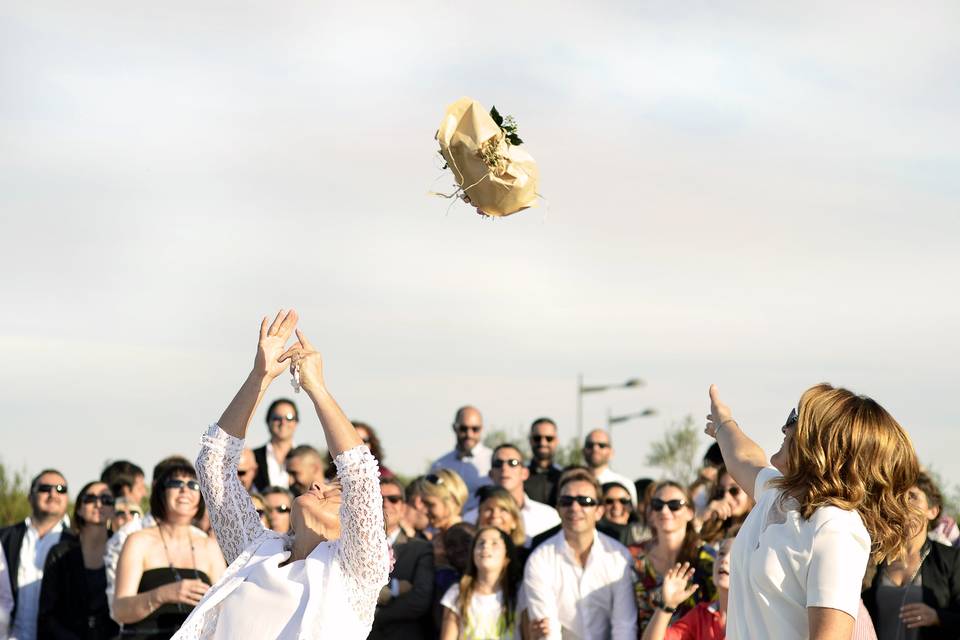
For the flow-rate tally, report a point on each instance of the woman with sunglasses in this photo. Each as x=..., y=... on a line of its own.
x=73, y=600
x=835, y=496
x=675, y=540
x=164, y=570
x=323, y=579
x=620, y=515
x=124, y=511
x=727, y=509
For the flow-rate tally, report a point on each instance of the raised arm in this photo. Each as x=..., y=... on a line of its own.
x=743, y=457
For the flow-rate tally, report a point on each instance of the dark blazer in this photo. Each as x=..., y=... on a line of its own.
x=261, y=481
x=65, y=596
x=940, y=574
x=408, y=615
x=11, y=538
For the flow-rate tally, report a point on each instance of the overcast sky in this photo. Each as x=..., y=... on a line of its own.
x=735, y=194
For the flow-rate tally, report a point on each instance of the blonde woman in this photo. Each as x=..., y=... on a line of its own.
x=444, y=494
x=499, y=509
x=835, y=496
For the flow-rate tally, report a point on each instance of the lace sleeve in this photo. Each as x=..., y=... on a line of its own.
x=232, y=514
x=364, y=555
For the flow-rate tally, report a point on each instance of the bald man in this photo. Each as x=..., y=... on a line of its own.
x=469, y=457
x=597, y=453
x=247, y=469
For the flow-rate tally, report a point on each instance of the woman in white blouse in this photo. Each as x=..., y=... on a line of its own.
x=322, y=580
x=836, y=495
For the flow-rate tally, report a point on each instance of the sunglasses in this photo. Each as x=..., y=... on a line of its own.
x=289, y=417
x=47, y=488
x=462, y=428
x=120, y=513
x=260, y=513
x=624, y=501
x=792, y=418
x=590, y=444
x=583, y=501
x=393, y=499
x=433, y=478
x=499, y=464
x=242, y=473
x=733, y=491
x=105, y=499
x=175, y=483
x=674, y=505
x=543, y=438
x=280, y=509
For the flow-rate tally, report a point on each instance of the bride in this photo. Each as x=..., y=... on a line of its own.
x=322, y=579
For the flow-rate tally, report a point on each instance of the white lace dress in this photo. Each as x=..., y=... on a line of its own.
x=330, y=594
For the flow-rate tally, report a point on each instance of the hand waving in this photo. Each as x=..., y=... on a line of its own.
x=674, y=590
x=719, y=413
x=273, y=340
x=304, y=355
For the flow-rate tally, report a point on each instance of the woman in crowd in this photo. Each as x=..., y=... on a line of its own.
x=620, y=516
x=261, y=508
x=917, y=596
x=164, y=570
x=369, y=437
x=278, y=502
x=499, y=509
x=322, y=580
x=483, y=606
x=444, y=494
x=838, y=485
x=73, y=598
x=124, y=511
x=727, y=509
x=675, y=540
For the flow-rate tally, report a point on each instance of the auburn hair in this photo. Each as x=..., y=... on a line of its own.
x=848, y=452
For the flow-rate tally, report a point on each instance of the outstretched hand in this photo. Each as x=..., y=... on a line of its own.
x=273, y=340
x=675, y=590
x=304, y=356
x=719, y=413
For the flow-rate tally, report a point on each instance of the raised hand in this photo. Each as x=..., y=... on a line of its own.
x=719, y=413
x=302, y=354
x=674, y=589
x=273, y=340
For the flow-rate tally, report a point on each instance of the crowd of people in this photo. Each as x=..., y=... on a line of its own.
x=819, y=542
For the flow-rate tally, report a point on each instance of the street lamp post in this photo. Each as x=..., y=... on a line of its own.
x=612, y=420
x=582, y=389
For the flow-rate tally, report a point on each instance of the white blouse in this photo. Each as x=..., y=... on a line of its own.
x=332, y=593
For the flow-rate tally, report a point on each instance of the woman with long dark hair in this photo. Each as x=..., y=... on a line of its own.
x=483, y=605
x=73, y=598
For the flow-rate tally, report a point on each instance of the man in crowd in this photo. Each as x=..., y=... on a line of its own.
x=282, y=421
x=247, y=469
x=278, y=503
x=469, y=458
x=541, y=485
x=304, y=467
x=125, y=480
x=508, y=471
x=26, y=545
x=580, y=583
x=597, y=453
x=403, y=609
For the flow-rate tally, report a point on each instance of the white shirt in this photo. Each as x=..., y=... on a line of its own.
x=537, y=517
x=6, y=597
x=33, y=555
x=592, y=602
x=485, y=617
x=111, y=553
x=609, y=475
x=473, y=468
x=277, y=475
x=330, y=594
x=781, y=564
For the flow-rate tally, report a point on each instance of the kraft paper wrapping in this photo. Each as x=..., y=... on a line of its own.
x=496, y=177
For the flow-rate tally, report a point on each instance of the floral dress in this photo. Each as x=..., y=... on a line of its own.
x=648, y=582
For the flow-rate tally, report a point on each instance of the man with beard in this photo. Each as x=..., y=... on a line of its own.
x=541, y=485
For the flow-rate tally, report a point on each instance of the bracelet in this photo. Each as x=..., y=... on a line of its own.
x=722, y=422
x=664, y=607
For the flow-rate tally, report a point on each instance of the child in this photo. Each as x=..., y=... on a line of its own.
x=484, y=604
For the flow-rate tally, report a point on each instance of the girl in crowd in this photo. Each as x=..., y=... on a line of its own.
x=838, y=485
x=917, y=597
x=675, y=540
x=483, y=606
x=727, y=509
x=323, y=580
x=499, y=509
x=73, y=598
x=164, y=570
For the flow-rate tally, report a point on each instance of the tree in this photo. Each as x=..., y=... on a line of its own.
x=676, y=453
x=14, y=501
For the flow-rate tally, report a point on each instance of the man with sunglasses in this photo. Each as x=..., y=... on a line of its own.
x=282, y=421
x=579, y=583
x=597, y=453
x=541, y=485
x=469, y=458
x=247, y=469
x=26, y=545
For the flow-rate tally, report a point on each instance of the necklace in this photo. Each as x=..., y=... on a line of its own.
x=176, y=574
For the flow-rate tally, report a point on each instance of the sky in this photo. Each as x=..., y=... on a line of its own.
x=756, y=195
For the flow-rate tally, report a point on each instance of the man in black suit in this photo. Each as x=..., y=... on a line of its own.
x=32, y=540
x=403, y=609
x=282, y=421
